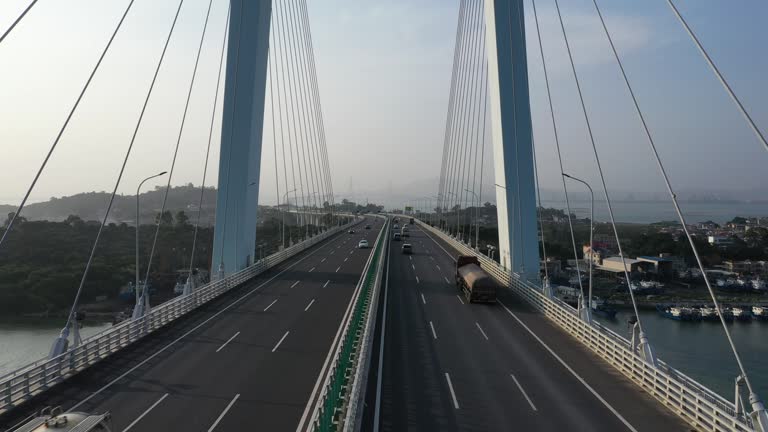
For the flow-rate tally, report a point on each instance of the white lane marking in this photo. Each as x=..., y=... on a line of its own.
x=345, y=259
x=133, y=423
x=410, y=258
x=481, y=330
x=270, y=305
x=192, y=330
x=414, y=267
x=423, y=300
x=352, y=251
x=280, y=341
x=438, y=267
x=309, y=305
x=332, y=252
x=459, y=297
x=312, y=269
x=569, y=369
x=228, y=341
x=326, y=283
x=324, y=370
x=417, y=280
x=223, y=413
x=530, y=402
x=322, y=260
x=446, y=280
x=453, y=394
x=432, y=326
x=337, y=270
x=295, y=283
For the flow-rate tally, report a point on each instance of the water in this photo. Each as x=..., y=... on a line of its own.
x=700, y=349
x=22, y=342
x=658, y=211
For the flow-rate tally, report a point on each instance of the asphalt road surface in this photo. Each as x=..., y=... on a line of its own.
x=251, y=360
x=448, y=365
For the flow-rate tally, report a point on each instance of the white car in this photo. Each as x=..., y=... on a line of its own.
x=363, y=244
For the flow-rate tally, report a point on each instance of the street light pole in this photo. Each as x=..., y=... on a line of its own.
x=588, y=316
x=138, y=223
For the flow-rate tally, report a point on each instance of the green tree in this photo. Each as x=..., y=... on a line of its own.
x=166, y=218
x=182, y=219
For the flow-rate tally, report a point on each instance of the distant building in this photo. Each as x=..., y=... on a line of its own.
x=614, y=265
x=660, y=266
x=746, y=266
x=722, y=241
x=595, y=256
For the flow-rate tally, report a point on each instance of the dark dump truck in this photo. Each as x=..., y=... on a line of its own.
x=476, y=284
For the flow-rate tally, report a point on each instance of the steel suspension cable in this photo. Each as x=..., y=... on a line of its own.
x=451, y=95
x=317, y=145
x=458, y=103
x=273, y=57
x=64, y=126
x=13, y=25
x=122, y=170
x=306, y=173
x=719, y=75
x=178, y=142
x=557, y=146
x=319, y=108
x=600, y=171
x=306, y=118
x=482, y=152
x=470, y=129
x=289, y=97
x=478, y=131
x=672, y=194
x=210, y=139
x=274, y=134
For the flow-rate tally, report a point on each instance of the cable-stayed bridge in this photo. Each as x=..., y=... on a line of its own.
x=339, y=330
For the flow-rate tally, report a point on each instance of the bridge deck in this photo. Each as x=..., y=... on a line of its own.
x=482, y=370
x=250, y=359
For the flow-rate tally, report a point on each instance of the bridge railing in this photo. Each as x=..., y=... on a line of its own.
x=341, y=399
x=692, y=401
x=20, y=385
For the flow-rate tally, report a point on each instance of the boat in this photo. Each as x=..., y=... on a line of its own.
x=760, y=312
x=727, y=314
x=600, y=308
x=707, y=313
x=758, y=284
x=676, y=313
x=741, y=314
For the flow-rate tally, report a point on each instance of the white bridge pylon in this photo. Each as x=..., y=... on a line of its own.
x=512, y=136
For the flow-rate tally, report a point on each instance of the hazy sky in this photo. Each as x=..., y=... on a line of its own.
x=384, y=73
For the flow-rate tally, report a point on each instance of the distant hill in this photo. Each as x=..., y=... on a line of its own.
x=91, y=206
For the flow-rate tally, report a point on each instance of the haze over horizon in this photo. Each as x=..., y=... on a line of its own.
x=384, y=75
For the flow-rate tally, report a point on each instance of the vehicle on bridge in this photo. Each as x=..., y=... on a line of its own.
x=407, y=249
x=363, y=244
x=404, y=232
x=396, y=236
x=476, y=284
x=411, y=221
x=54, y=419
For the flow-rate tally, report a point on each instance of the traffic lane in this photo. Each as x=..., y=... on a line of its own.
x=480, y=380
x=511, y=368
x=160, y=345
x=414, y=393
x=279, y=396
x=630, y=403
x=261, y=335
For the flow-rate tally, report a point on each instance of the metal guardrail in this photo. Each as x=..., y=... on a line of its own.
x=690, y=400
x=338, y=407
x=20, y=385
